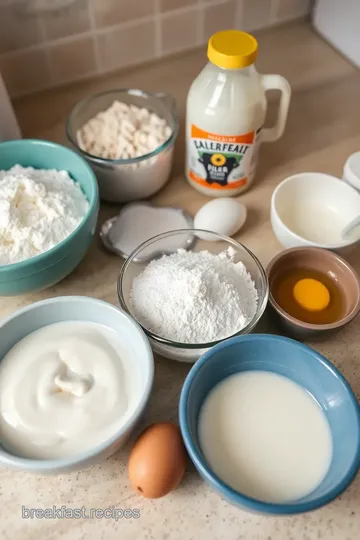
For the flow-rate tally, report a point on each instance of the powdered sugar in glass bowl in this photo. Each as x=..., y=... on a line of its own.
x=214, y=244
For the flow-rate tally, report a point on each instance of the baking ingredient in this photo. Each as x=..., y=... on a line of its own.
x=123, y=132
x=194, y=297
x=157, y=461
x=265, y=436
x=223, y=216
x=139, y=222
x=226, y=109
x=65, y=389
x=38, y=209
x=309, y=295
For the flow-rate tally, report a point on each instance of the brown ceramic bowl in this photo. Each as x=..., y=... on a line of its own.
x=323, y=261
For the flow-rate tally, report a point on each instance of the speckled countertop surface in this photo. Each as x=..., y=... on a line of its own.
x=323, y=129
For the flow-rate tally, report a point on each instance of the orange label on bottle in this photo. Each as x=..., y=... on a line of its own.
x=220, y=162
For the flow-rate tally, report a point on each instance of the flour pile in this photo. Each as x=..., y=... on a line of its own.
x=38, y=209
x=192, y=297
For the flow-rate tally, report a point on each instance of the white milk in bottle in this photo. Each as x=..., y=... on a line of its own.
x=226, y=109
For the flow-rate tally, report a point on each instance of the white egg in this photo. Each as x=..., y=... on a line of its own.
x=223, y=216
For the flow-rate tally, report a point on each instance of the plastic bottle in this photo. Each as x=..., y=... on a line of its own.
x=226, y=109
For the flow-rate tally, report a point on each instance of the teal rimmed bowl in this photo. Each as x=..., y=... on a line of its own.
x=53, y=265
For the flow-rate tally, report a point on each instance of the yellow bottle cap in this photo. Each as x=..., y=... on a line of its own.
x=232, y=49
x=311, y=294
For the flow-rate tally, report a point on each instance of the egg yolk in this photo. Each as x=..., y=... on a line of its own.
x=311, y=294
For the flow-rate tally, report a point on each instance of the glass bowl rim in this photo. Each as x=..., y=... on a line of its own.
x=132, y=92
x=193, y=346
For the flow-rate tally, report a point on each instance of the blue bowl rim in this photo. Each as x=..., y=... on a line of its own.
x=26, y=264
x=58, y=465
x=231, y=494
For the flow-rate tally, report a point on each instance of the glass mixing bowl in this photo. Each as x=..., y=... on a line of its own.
x=214, y=243
x=125, y=180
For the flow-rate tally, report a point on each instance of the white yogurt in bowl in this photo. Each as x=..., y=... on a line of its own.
x=75, y=376
x=65, y=388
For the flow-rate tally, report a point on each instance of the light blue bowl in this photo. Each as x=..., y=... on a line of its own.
x=79, y=308
x=50, y=267
x=305, y=367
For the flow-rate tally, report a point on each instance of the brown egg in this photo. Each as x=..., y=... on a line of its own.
x=157, y=461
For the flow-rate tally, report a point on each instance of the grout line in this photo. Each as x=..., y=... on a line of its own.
x=199, y=7
x=75, y=37
x=158, y=44
x=42, y=46
x=126, y=24
x=194, y=9
x=214, y=2
x=93, y=32
x=180, y=11
x=37, y=46
x=274, y=11
x=289, y=18
x=239, y=15
x=201, y=24
x=94, y=76
x=42, y=28
x=50, y=67
x=63, y=84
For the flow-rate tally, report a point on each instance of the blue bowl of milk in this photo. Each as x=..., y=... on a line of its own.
x=270, y=424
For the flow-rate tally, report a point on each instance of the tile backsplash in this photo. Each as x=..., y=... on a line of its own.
x=46, y=43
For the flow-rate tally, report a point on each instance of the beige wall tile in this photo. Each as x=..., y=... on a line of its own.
x=169, y=5
x=125, y=46
x=17, y=30
x=288, y=9
x=179, y=32
x=68, y=21
x=256, y=14
x=111, y=12
x=25, y=72
x=219, y=17
x=72, y=59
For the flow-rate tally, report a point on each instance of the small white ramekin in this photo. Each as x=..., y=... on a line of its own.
x=294, y=194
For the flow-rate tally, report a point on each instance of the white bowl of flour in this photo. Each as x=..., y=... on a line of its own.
x=189, y=300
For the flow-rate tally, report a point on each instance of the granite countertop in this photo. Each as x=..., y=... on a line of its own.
x=323, y=129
